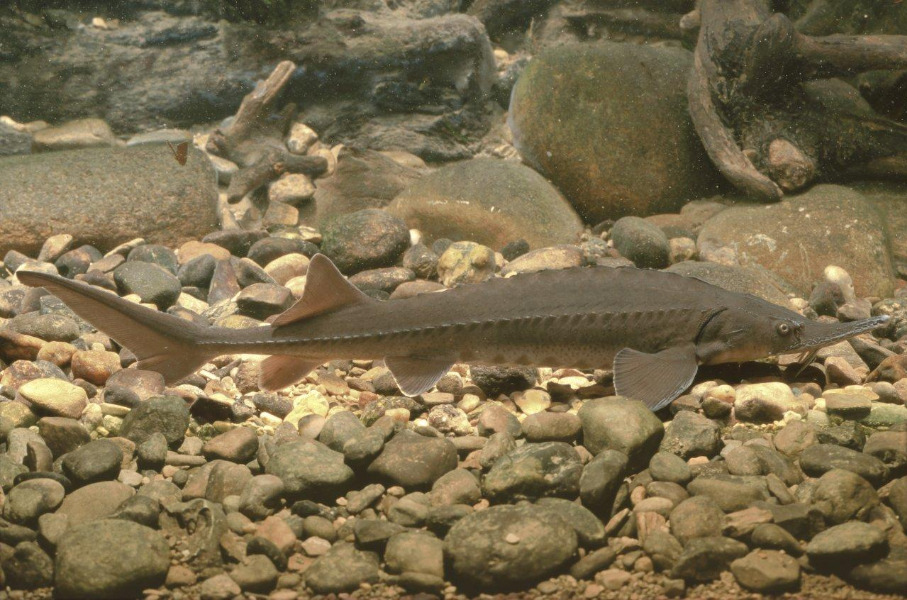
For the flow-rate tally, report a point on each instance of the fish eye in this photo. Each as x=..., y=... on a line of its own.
x=783, y=328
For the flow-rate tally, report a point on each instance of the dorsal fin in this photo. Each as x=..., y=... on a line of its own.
x=326, y=289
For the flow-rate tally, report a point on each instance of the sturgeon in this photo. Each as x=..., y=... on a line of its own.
x=654, y=328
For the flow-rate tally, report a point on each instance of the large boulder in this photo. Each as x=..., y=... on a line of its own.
x=138, y=191
x=363, y=179
x=509, y=546
x=887, y=197
x=753, y=280
x=613, y=143
x=111, y=558
x=801, y=235
x=492, y=202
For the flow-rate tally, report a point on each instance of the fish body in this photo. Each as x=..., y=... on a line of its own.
x=653, y=327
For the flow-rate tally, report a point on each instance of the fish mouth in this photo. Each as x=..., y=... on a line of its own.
x=824, y=334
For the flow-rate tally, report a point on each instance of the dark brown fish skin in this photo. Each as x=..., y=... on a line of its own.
x=565, y=314
x=569, y=315
x=581, y=317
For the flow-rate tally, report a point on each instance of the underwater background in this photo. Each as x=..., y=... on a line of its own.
x=193, y=156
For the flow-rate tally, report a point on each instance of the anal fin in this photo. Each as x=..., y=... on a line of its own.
x=280, y=371
x=655, y=379
x=417, y=374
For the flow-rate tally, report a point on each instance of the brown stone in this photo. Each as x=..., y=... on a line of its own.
x=58, y=353
x=95, y=366
x=489, y=201
x=143, y=193
x=801, y=235
x=614, y=145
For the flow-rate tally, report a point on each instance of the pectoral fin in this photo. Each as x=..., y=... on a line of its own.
x=416, y=374
x=655, y=379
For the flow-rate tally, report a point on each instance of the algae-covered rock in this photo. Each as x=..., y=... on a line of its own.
x=492, y=202
x=607, y=123
x=134, y=192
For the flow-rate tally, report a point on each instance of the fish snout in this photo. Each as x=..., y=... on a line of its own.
x=815, y=334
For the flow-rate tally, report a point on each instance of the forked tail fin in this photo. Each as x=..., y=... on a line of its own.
x=161, y=342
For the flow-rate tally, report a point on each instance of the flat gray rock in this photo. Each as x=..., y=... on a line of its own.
x=534, y=471
x=509, y=546
x=886, y=576
x=618, y=423
x=98, y=460
x=414, y=461
x=237, y=445
x=642, y=242
x=703, y=559
x=94, y=501
x=890, y=447
x=135, y=192
x=342, y=569
x=730, y=492
x=821, y=458
x=850, y=543
x=841, y=495
x=550, y=426
x=766, y=571
x=31, y=499
x=590, y=531
x=601, y=479
x=366, y=239
x=415, y=552
x=152, y=283
x=667, y=466
x=29, y=567
x=111, y=558
x=168, y=415
x=309, y=467
x=459, y=486
x=691, y=434
x=48, y=327
x=256, y=574
x=696, y=517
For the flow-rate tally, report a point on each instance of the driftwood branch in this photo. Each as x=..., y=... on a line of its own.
x=253, y=112
x=271, y=165
x=850, y=54
x=254, y=139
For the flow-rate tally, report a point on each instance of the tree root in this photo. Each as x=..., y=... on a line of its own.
x=762, y=129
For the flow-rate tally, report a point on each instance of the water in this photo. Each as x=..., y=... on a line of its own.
x=423, y=145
